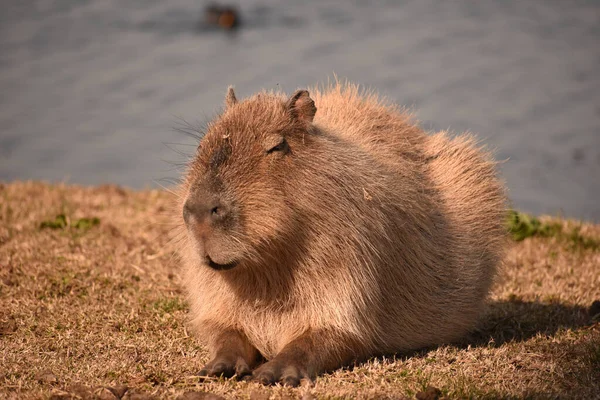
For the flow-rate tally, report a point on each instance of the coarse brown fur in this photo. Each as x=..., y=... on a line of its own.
x=315, y=239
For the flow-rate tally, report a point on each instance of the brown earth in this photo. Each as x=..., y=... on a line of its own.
x=91, y=307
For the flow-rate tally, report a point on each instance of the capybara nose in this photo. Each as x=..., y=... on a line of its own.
x=211, y=211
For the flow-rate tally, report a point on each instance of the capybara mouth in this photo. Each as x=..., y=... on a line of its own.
x=220, y=267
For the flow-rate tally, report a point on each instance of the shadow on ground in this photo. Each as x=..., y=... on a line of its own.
x=576, y=357
x=516, y=320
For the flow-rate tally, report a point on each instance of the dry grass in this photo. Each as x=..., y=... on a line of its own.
x=86, y=306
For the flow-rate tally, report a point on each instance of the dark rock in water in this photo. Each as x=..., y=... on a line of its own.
x=225, y=17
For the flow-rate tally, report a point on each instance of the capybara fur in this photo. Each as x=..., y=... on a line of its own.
x=327, y=227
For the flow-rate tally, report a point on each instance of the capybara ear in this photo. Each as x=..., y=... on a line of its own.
x=230, y=99
x=301, y=106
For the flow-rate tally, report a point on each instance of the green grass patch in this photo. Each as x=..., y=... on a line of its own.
x=522, y=226
x=59, y=222
x=577, y=241
x=62, y=222
x=86, y=223
x=169, y=305
x=65, y=284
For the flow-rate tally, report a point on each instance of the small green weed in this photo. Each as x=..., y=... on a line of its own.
x=62, y=222
x=86, y=223
x=522, y=226
x=169, y=305
x=577, y=240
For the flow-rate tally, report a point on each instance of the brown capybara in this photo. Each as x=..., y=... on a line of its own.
x=327, y=227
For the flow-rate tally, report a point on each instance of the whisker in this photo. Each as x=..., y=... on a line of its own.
x=179, y=152
x=196, y=132
x=179, y=144
x=178, y=167
x=176, y=194
x=171, y=180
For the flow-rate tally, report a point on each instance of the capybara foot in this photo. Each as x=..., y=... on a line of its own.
x=279, y=372
x=226, y=367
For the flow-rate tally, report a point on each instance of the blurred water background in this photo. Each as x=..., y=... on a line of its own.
x=91, y=90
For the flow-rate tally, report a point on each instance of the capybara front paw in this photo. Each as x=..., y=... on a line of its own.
x=273, y=372
x=221, y=366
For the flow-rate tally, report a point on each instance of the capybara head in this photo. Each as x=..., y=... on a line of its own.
x=236, y=208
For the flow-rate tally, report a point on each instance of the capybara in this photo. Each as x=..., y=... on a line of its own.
x=327, y=227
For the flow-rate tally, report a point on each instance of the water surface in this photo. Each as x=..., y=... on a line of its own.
x=90, y=90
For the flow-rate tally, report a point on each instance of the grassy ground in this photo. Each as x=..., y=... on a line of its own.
x=91, y=299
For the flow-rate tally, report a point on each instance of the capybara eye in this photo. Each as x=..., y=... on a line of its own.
x=283, y=147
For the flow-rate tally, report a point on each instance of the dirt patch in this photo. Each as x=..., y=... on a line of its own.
x=95, y=310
